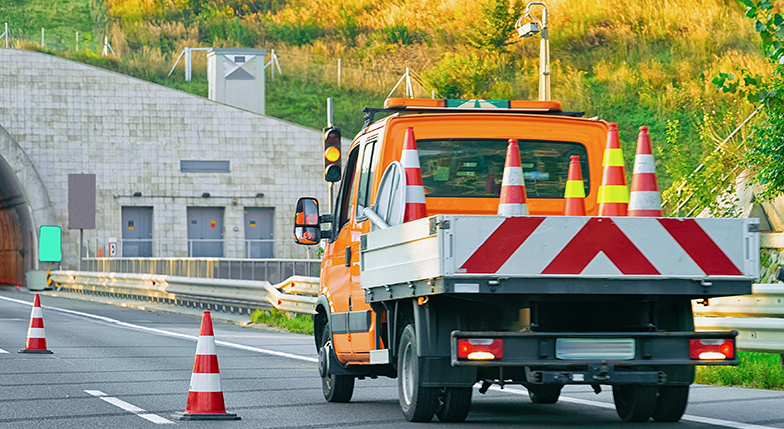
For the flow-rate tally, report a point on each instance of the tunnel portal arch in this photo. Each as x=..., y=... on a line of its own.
x=24, y=206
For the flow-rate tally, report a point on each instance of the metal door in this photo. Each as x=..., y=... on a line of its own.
x=258, y=232
x=136, y=232
x=205, y=232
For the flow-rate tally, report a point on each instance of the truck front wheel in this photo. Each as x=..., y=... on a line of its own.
x=336, y=388
x=418, y=403
x=671, y=403
x=635, y=403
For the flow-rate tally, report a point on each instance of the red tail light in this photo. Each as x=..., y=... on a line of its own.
x=480, y=348
x=712, y=349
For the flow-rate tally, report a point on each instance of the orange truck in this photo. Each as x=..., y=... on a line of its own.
x=463, y=298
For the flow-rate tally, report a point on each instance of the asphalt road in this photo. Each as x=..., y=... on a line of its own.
x=118, y=367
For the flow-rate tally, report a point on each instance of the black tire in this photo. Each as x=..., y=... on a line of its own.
x=454, y=403
x=635, y=403
x=545, y=394
x=418, y=403
x=671, y=403
x=336, y=388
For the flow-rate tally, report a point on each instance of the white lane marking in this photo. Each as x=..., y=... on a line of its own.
x=129, y=407
x=122, y=404
x=698, y=419
x=171, y=334
x=687, y=417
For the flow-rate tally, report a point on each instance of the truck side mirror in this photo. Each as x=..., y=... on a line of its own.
x=307, y=228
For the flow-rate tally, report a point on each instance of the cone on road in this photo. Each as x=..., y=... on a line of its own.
x=613, y=196
x=205, y=397
x=574, y=197
x=644, y=199
x=512, y=201
x=36, y=337
x=416, y=208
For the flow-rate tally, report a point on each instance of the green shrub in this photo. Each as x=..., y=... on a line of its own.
x=756, y=370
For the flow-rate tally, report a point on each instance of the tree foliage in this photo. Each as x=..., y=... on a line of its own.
x=764, y=155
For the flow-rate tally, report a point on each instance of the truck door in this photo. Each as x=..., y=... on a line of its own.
x=361, y=317
x=336, y=266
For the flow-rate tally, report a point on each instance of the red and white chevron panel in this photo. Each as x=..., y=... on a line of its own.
x=617, y=247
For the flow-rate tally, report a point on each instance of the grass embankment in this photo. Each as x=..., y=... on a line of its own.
x=756, y=370
x=299, y=324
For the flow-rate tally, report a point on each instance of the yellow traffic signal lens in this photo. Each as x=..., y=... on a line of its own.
x=332, y=154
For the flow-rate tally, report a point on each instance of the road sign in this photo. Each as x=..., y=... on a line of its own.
x=50, y=244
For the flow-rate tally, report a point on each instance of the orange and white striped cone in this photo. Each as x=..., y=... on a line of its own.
x=574, y=197
x=416, y=208
x=36, y=337
x=644, y=199
x=205, y=397
x=613, y=196
x=512, y=201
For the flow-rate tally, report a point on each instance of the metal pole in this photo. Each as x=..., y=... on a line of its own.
x=6, y=34
x=544, y=59
x=81, y=245
x=329, y=112
x=77, y=41
x=42, y=37
x=272, y=69
x=338, y=73
x=409, y=88
x=188, y=69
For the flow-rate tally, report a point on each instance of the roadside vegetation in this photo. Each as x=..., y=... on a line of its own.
x=756, y=370
x=298, y=324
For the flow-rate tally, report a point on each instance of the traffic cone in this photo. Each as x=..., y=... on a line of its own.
x=574, y=197
x=416, y=208
x=613, y=196
x=644, y=199
x=205, y=397
x=36, y=337
x=512, y=201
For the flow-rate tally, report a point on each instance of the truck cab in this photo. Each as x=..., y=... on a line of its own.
x=411, y=330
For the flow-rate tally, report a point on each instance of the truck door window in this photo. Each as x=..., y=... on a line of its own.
x=344, y=198
x=366, y=176
x=475, y=168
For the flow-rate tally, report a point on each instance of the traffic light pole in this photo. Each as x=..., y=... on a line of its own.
x=329, y=125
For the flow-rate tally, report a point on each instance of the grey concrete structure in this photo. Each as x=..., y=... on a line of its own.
x=236, y=77
x=59, y=117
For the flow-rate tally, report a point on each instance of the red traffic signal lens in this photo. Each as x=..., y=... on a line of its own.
x=333, y=137
x=332, y=154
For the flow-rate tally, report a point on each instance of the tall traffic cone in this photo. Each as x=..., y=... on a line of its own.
x=613, y=196
x=644, y=199
x=36, y=337
x=416, y=208
x=574, y=197
x=205, y=397
x=512, y=201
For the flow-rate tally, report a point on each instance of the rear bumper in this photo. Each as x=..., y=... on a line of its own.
x=537, y=351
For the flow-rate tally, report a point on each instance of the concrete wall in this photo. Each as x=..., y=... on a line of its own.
x=68, y=117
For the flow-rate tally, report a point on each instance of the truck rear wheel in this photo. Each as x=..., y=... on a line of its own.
x=454, y=403
x=336, y=388
x=671, y=403
x=545, y=394
x=634, y=403
x=418, y=403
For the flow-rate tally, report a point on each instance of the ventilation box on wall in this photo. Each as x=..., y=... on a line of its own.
x=236, y=77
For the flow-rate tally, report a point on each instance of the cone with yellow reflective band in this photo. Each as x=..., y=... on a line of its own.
x=574, y=197
x=613, y=198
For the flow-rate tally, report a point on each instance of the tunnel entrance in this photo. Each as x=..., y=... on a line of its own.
x=16, y=231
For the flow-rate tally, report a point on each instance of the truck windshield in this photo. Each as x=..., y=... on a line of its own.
x=475, y=168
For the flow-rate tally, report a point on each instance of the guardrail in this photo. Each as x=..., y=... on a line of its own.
x=758, y=318
x=296, y=294
x=271, y=270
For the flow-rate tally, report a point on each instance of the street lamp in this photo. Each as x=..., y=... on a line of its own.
x=531, y=28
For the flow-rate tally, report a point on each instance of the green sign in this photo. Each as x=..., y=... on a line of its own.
x=50, y=244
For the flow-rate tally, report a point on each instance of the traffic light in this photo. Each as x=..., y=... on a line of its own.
x=332, y=154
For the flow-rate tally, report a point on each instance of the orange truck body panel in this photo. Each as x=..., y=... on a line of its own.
x=341, y=284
